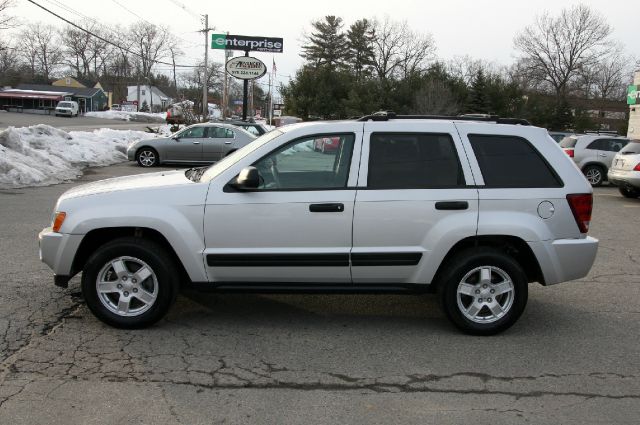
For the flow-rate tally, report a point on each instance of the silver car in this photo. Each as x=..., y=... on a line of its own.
x=198, y=143
x=593, y=154
x=625, y=170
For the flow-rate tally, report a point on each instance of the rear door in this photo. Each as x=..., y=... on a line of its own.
x=609, y=149
x=415, y=199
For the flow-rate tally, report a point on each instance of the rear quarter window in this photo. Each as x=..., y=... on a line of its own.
x=568, y=142
x=511, y=162
x=633, y=147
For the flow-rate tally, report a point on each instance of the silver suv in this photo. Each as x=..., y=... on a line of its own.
x=625, y=171
x=593, y=154
x=473, y=209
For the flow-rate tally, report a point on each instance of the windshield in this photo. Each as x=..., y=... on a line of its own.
x=228, y=161
x=568, y=142
x=64, y=105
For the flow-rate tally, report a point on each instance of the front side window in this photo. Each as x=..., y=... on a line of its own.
x=192, y=133
x=313, y=162
x=511, y=161
x=413, y=161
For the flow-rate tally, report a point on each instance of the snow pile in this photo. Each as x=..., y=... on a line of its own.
x=128, y=116
x=41, y=155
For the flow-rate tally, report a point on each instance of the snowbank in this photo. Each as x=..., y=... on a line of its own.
x=128, y=116
x=41, y=155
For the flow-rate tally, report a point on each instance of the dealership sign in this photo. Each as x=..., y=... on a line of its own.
x=246, y=67
x=633, y=95
x=246, y=43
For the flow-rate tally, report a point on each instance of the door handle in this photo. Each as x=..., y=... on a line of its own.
x=602, y=154
x=196, y=143
x=335, y=207
x=452, y=205
x=227, y=143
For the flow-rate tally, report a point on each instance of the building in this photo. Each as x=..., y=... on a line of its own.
x=153, y=96
x=31, y=101
x=83, y=83
x=88, y=98
x=633, y=100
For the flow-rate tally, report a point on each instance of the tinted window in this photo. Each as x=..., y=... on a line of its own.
x=413, y=161
x=510, y=161
x=220, y=133
x=193, y=132
x=632, y=148
x=568, y=142
x=615, y=145
x=599, y=144
x=316, y=162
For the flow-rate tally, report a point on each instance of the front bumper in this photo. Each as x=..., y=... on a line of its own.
x=562, y=260
x=624, y=178
x=63, y=112
x=58, y=250
x=131, y=154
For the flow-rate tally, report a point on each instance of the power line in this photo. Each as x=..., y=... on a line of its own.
x=105, y=40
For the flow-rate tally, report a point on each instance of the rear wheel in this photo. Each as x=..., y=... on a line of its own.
x=594, y=174
x=130, y=283
x=147, y=157
x=483, y=291
x=629, y=192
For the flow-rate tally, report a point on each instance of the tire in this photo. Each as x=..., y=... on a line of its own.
x=462, y=289
x=116, y=264
x=629, y=192
x=594, y=174
x=147, y=157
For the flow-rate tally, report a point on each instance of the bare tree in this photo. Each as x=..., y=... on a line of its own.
x=555, y=49
x=149, y=43
x=173, y=45
x=76, y=48
x=6, y=21
x=436, y=98
x=417, y=51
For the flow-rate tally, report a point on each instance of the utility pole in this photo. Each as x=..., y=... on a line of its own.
x=205, y=103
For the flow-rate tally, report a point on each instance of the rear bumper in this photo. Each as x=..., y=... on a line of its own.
x=562, y=260
x=624, y=178
x=57, y=250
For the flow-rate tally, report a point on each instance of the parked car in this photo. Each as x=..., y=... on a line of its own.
x=593, y=154
x=254, y=128
x=625, y=170
x=471, y=209
x=115, y=107
x=326, y=144
x=199, y=143
x=67, y=108
x=559, y=135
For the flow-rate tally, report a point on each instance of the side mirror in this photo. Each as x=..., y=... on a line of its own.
x=249, y=178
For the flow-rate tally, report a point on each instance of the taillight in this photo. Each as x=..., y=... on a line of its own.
x=569, y=152
x=637, y=167
x=581, y=205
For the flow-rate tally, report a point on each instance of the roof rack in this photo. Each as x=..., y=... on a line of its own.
x=607, y=132
x=387, y=115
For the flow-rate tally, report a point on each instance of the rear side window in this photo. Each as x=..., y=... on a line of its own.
x=632, y=148
x=413, y=161
x=599, y=144
x=568, y=142
x=511, y=161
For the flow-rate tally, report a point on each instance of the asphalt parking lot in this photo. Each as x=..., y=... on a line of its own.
x=573, y=357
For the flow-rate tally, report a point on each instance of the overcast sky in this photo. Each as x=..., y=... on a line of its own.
x=482, y=29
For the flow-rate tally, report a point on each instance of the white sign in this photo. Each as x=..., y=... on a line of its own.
x=246, y=68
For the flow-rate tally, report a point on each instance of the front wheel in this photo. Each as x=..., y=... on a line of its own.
x=147, y=157
x=484, y=291
x=130, y=283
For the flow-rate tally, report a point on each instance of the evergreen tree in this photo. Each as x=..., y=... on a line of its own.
x=360, y=54
x=327, y=44
x=478, y=98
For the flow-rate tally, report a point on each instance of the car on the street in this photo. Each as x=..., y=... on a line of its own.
x=67, y=108
x=255, y=128
x=326, y=144
x=198, y=143
x=472, y=209
x=559, y=135
x=625, y=170
x=593, y=153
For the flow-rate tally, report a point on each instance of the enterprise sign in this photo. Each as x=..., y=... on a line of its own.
x=246, y=43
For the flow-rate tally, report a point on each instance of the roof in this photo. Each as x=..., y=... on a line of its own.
x=73, y=91
x=32, y=94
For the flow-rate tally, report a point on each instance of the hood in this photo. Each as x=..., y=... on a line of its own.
x=118, y=184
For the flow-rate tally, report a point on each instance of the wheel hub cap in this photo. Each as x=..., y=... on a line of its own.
x=485, y=294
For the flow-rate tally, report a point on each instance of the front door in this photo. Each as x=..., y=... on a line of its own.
x=187, y=145
x=296, y=227
x=216, y=143
x=415, y=195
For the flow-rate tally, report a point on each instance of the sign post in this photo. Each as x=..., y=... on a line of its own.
x=246, y=67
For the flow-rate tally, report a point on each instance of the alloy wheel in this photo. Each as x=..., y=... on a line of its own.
x=485, y=294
